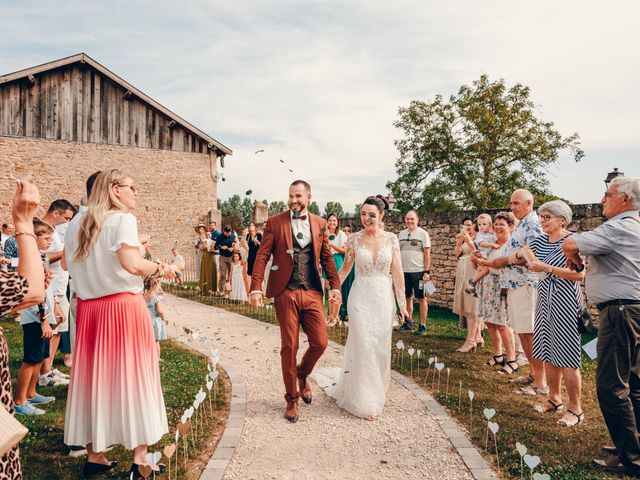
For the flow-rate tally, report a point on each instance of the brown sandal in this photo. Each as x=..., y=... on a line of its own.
x=550, y=407
x=571, y=419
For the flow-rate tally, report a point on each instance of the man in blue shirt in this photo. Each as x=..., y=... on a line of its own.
x=225, y=244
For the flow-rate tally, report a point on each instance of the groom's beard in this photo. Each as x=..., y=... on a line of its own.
x=298, y=206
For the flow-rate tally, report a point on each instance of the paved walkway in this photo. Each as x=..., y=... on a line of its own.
x=406, y=442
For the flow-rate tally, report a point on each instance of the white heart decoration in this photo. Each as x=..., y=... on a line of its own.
x=522, y=450
x=209, y=384
x=201, y=396
x=152, y=458
x=448, y=370
x=439, y=366
x=178, y=435
x=208, y=366
x=419, y=352
x=471, y=395
x=196, y=403
x=213, y=375
x=532, y=461
x=400, y=345
x=431, y=360
x=411, y=351
x=184, y=418
x=494, y=427
x=489, y=413
x=541, y=476
x=190, y=411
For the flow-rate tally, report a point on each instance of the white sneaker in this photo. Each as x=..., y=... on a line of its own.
x=522, y=359
x=59, y=374
x=51, y=380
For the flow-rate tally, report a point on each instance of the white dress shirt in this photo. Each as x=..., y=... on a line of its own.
x=301, y=226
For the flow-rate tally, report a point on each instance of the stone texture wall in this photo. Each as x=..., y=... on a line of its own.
x=443, y=227
x=176, y=191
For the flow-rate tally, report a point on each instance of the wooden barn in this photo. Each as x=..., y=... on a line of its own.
x=63, y=120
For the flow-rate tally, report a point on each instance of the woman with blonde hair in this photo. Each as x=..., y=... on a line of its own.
x=115, y=395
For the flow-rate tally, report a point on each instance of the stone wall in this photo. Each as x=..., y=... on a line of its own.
x=443, y=227
x=176, y=191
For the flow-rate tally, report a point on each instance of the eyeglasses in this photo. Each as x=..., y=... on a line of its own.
x=546, y=218
x=132, y=187
x=608, y=194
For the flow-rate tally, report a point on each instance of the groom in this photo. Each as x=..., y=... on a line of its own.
x=299, y=245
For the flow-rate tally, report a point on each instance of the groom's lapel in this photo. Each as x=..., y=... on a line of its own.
x=287, y=229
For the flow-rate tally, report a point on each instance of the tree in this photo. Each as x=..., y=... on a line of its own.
x=247, y=211
x=333, y=207
x=231, y=207
x=277, y=207
x=313, y=208
x=472, y=151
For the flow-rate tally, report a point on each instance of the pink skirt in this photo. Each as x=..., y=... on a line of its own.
x=115, y=396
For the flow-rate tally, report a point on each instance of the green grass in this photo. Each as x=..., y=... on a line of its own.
x=566, y=453
x=42, y=452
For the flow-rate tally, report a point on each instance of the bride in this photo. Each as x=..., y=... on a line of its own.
x=360, y=386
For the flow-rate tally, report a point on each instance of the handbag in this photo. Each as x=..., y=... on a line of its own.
x=585, y=321
x=11, y=431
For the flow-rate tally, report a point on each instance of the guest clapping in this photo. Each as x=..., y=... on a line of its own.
x=337, y=240
x=465, y=305
x=115, y=395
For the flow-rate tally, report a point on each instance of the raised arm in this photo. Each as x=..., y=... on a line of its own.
x=397, y=275
x=262, y=258
x=349, y=258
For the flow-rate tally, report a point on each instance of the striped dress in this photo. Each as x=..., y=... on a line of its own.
x=555, y=337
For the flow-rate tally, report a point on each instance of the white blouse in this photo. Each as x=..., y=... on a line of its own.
x=100, y=273
x=339, y=241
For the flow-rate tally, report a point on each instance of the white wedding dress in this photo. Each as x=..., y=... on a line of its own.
x=360, y=387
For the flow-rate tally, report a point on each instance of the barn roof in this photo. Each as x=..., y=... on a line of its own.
x=86, y=59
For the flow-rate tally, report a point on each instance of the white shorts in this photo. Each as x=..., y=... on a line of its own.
x=64, y=305
x=521, y=308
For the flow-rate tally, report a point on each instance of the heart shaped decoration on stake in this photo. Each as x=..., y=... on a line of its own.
x=439, y=366
x=494, y=427
x=169, y=450
x=209, y=384
x=201, y=396
x=213, y=375
x=208, y=366
x=152, y=459
x=189, y=412
x=522, y=450
x=196, y=403
x=400, y=345
x=431, y=359
x=145, y=470
x=411, y=351
x=541, y=476
x=177, y=434
x=184, y=418
x=489, y=413
x=471, y=395
x=532, y=461
x=183, y=428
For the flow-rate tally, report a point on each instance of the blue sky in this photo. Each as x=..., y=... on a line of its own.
x=318, y=83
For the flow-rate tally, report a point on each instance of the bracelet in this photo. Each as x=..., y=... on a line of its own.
x=17, y=234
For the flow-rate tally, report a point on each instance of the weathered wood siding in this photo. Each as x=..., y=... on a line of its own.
x=77, y=103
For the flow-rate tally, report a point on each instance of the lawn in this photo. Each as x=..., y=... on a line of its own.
x=43, y=453
x=564, y=453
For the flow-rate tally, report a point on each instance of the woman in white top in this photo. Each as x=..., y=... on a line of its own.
x=337, y=239
x=115, y=395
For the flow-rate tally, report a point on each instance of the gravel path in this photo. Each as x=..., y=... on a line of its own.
x=406, y=442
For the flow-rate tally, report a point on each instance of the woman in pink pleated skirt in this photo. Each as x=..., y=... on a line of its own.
x=115, y=396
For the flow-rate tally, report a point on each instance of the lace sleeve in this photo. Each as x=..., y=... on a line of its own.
x=349, y=258
x=397, y=274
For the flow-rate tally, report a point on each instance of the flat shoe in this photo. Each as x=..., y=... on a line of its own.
x=91, y=468
x=612, y=449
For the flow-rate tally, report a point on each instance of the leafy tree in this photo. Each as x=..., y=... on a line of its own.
x=247, y=211
x=277, y=207
x=333, y=207
x=473, y=150
x=231, y=207
x=313, y=207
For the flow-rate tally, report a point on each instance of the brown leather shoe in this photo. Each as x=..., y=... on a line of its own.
x=611, y=449
x=291, y=412
x=305, y=390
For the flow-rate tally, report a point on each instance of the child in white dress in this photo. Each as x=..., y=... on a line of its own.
x=238, y=271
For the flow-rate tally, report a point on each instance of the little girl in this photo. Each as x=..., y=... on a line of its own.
x=238, y=270
x=152, y=296
x=485, y=241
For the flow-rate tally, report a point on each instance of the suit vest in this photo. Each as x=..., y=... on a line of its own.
x=304, y=267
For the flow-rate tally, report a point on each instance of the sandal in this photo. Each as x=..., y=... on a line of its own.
x=571, y=419
x=508, y=368
x=548, y=407
x=532, y=390
x=528, y=380
x=494, y=360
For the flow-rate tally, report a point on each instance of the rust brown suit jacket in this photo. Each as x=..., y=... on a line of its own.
x=277, y=239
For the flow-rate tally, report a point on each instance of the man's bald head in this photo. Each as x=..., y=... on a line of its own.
x=521, y=203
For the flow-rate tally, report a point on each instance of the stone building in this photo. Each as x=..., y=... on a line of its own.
x=63, y=120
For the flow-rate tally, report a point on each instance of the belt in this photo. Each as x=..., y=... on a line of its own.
x=608, y=303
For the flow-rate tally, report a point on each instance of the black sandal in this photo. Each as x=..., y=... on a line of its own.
x=92, y=468
x=508, y=368
x=493, y=361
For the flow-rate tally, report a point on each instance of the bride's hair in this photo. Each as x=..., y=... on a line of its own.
x=377, y=201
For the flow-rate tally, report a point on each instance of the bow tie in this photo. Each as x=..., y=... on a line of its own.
x=301, y=217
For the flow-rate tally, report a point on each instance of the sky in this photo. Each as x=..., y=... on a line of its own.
x=318, y=84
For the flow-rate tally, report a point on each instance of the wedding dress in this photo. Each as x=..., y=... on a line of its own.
x=360, y=386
